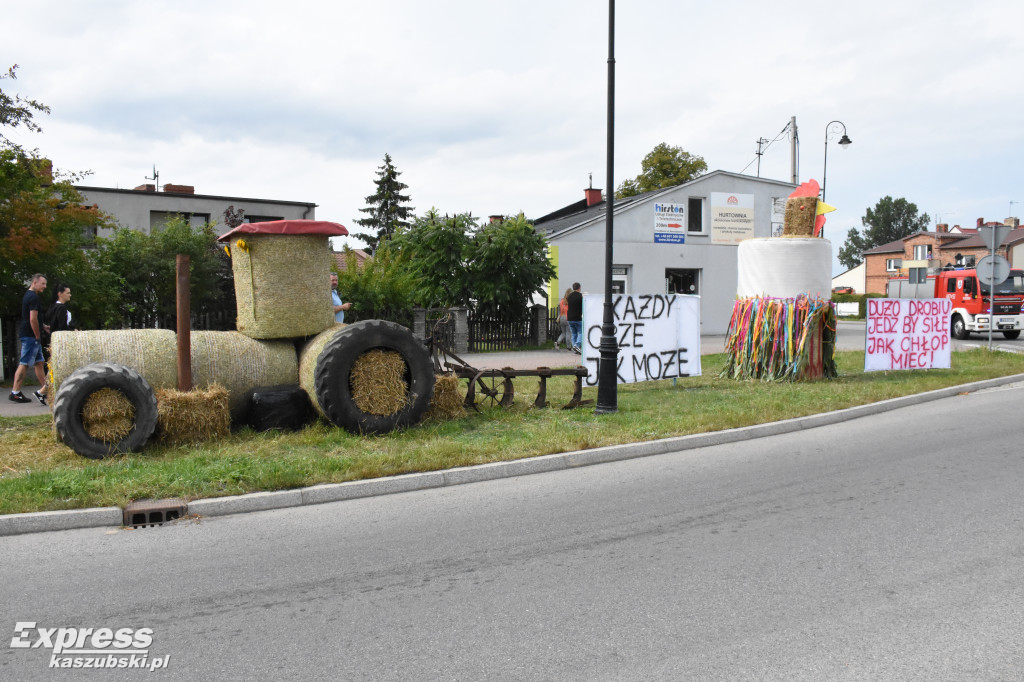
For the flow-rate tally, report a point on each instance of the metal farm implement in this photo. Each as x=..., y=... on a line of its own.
x=493, y=387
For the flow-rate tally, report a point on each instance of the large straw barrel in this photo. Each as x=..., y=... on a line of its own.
x=309, y=354
x=150, y=352
x=230, y=359
x=240, y=364
x=784, y=268
x=281, y=284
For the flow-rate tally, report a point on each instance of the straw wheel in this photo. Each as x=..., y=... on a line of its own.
x=80, y=386
x=334, y=371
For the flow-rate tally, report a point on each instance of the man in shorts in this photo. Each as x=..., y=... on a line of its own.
x=31, y=331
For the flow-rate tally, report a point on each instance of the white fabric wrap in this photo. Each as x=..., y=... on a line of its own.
x=784, y=267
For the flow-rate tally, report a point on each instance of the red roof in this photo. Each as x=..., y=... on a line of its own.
x=287, y=227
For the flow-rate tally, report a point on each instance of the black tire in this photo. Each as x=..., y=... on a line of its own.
x=960, y=330
x=1011, y=335
x=83, y=382
x=334, y=367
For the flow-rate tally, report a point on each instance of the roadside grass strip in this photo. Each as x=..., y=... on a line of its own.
x=39, y=474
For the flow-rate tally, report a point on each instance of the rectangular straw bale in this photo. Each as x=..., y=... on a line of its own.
x=800, y=215
x=240, y=364
x=188, y=417
x=150, y=352
x=281, y=285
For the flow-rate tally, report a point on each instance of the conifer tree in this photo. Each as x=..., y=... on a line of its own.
x=387, y=209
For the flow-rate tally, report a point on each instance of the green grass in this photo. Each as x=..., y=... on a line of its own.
x=37, y=473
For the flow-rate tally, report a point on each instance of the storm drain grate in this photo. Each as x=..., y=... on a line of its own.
x=147, y=513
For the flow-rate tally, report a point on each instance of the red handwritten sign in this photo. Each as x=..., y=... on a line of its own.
x=907, y=333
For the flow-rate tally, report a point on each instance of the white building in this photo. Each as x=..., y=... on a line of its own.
x=681, y=239
x=148, y=210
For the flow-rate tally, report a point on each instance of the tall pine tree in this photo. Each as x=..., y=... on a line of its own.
x=388, y=208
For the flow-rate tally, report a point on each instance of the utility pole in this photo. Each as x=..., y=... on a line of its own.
x=792, y=151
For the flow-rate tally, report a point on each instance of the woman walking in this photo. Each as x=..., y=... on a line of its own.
x=563, y=322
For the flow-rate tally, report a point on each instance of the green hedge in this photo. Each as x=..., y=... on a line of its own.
x=859, y=299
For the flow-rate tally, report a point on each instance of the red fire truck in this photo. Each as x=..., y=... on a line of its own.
x=971, y=300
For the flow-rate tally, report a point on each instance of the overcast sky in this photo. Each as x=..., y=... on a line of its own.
x=497, y=108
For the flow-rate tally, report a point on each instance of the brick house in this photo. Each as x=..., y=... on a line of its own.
x=936, y=250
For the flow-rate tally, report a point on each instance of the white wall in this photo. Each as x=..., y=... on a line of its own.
x=581, y=252
x=852, y=278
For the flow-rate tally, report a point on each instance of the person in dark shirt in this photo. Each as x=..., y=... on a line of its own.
x=31, y=332
x=58, y=317
x=575, y=316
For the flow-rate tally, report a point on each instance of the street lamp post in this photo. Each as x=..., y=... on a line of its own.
x=831, y=130
x=607, y=367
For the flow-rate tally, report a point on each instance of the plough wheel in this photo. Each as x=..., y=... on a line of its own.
x=490, y=388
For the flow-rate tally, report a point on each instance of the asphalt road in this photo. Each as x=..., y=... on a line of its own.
x=888, y=548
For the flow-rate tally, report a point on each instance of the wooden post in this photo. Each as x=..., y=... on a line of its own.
x=183, y=265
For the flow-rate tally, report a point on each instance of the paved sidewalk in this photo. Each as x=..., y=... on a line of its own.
x=9, y=409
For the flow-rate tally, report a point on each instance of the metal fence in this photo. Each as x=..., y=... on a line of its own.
x=489, y=334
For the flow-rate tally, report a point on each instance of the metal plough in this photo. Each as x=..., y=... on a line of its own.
x=493, y=387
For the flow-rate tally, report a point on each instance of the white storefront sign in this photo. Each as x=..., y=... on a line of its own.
x=732, y=217
x=658, y=336
x=669, y=223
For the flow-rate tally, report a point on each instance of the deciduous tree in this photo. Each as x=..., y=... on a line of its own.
x=664, y=166
x=891, y=219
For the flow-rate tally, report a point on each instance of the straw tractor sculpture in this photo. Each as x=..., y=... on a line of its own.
x=286, y=336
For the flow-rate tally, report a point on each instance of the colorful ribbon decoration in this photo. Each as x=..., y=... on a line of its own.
x=772, y=339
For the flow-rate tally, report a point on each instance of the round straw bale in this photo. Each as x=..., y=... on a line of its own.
x=308, y=357
x=240, y=364
x=150, y=352
x=281, y=285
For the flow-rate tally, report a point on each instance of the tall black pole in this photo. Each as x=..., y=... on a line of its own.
x=607, y=368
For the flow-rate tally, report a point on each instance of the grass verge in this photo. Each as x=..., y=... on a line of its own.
x=38, y=474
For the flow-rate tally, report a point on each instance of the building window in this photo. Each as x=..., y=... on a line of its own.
x=922, y=252
x=261, y=218
x=893, y=264
x=682, y=281
x=695, y=219
x=918, y=275
x=158, y=219
x=620, y=279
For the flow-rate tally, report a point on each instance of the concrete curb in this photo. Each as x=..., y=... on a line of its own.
x=16, y=524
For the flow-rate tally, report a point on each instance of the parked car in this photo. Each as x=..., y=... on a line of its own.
x=842, y=290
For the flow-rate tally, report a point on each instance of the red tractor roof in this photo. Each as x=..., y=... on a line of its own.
x=286, y=227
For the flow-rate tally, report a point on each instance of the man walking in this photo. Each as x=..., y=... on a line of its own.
x=31, y=331
x=575, y=316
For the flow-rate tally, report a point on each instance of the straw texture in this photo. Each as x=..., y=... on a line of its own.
x=308, y=358
x=799, y=217
x=447, y=402
x=150, y=352
x=240, y=364
x=281, y=285
x=189, y=417
x=108, y=415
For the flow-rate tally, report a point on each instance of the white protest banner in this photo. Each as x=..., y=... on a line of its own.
x=658, y=336
x=907, y=333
